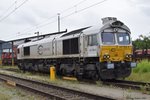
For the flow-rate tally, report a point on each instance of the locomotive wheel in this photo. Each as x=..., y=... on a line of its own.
x=63, y=72
x=79, y=77
x=74, y=73
x=95, y=77
x=36, y=67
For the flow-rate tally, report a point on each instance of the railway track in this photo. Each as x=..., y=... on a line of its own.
x=118, y=83
x=129, y=84
x=52, y=91
x=12, y=70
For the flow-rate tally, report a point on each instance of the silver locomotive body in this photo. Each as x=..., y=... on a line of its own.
x=81, y=52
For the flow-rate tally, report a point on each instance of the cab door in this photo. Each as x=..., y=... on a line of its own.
x=92, y=45
x=54, y=47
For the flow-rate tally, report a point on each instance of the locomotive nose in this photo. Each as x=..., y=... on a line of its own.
x=116, y=53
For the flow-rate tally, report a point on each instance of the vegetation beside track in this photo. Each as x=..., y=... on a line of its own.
x=141, y=72
x=6, y=67
x=13, y=93
x=4, y=96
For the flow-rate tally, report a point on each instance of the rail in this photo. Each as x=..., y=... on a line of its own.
x=129, y=84
x=53, y=91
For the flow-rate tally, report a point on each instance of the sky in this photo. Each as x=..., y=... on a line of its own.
x=30, y=16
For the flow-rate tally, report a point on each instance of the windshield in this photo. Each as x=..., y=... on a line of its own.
x=123, y=38
x=108, y=38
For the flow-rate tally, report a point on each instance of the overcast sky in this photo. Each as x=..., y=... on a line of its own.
x=41, y=15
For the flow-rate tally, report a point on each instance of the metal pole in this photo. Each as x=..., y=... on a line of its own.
x=12, y=54
x=37, y=34
x=58, y=22
x=0, y=54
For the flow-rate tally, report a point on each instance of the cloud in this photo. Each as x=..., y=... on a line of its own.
x=134, y=13
x=142, y=5
x=145, y=9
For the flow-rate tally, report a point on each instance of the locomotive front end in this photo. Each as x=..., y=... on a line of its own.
x=115, y=51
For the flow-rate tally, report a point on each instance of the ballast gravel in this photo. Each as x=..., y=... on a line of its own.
x=110, y=91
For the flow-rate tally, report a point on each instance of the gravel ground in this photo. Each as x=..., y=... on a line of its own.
x=120, y=94
x=8, y=92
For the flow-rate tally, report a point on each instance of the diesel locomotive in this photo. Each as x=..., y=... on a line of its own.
x=101, y=52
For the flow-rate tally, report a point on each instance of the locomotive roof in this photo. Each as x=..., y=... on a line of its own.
x=35, y=42
x=85, y=30
x=114, y=24
x=50, y=38
x=75, y=31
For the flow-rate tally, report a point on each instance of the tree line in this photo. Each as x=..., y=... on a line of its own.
x=143, y=42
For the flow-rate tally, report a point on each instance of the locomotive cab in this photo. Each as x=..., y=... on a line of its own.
x=115, y=51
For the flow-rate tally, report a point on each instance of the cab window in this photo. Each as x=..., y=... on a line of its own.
x=92, y=40
x=108, y=38
x=123, y=38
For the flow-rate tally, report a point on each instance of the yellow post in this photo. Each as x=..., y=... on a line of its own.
x=52, y=73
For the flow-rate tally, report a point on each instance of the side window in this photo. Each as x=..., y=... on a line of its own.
x=89, y=40
x=92, y=40
x=26, y=51
x=18, y=50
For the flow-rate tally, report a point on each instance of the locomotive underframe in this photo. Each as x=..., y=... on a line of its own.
x=89, y=68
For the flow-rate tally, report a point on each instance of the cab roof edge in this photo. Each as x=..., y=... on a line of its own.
x=106, y=20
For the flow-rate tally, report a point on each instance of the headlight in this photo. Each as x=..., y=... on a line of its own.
x=128, y=56
x=106, y=56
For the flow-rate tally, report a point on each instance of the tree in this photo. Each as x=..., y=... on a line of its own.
x=143, y=42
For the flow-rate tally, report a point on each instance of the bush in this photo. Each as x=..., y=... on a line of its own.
x=141, y=72
x=142, y=67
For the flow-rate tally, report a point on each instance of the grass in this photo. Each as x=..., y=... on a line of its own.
x=141, y=72
x=143, y=67
x=4, y=97
x=8, y=92
x=6, y=67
